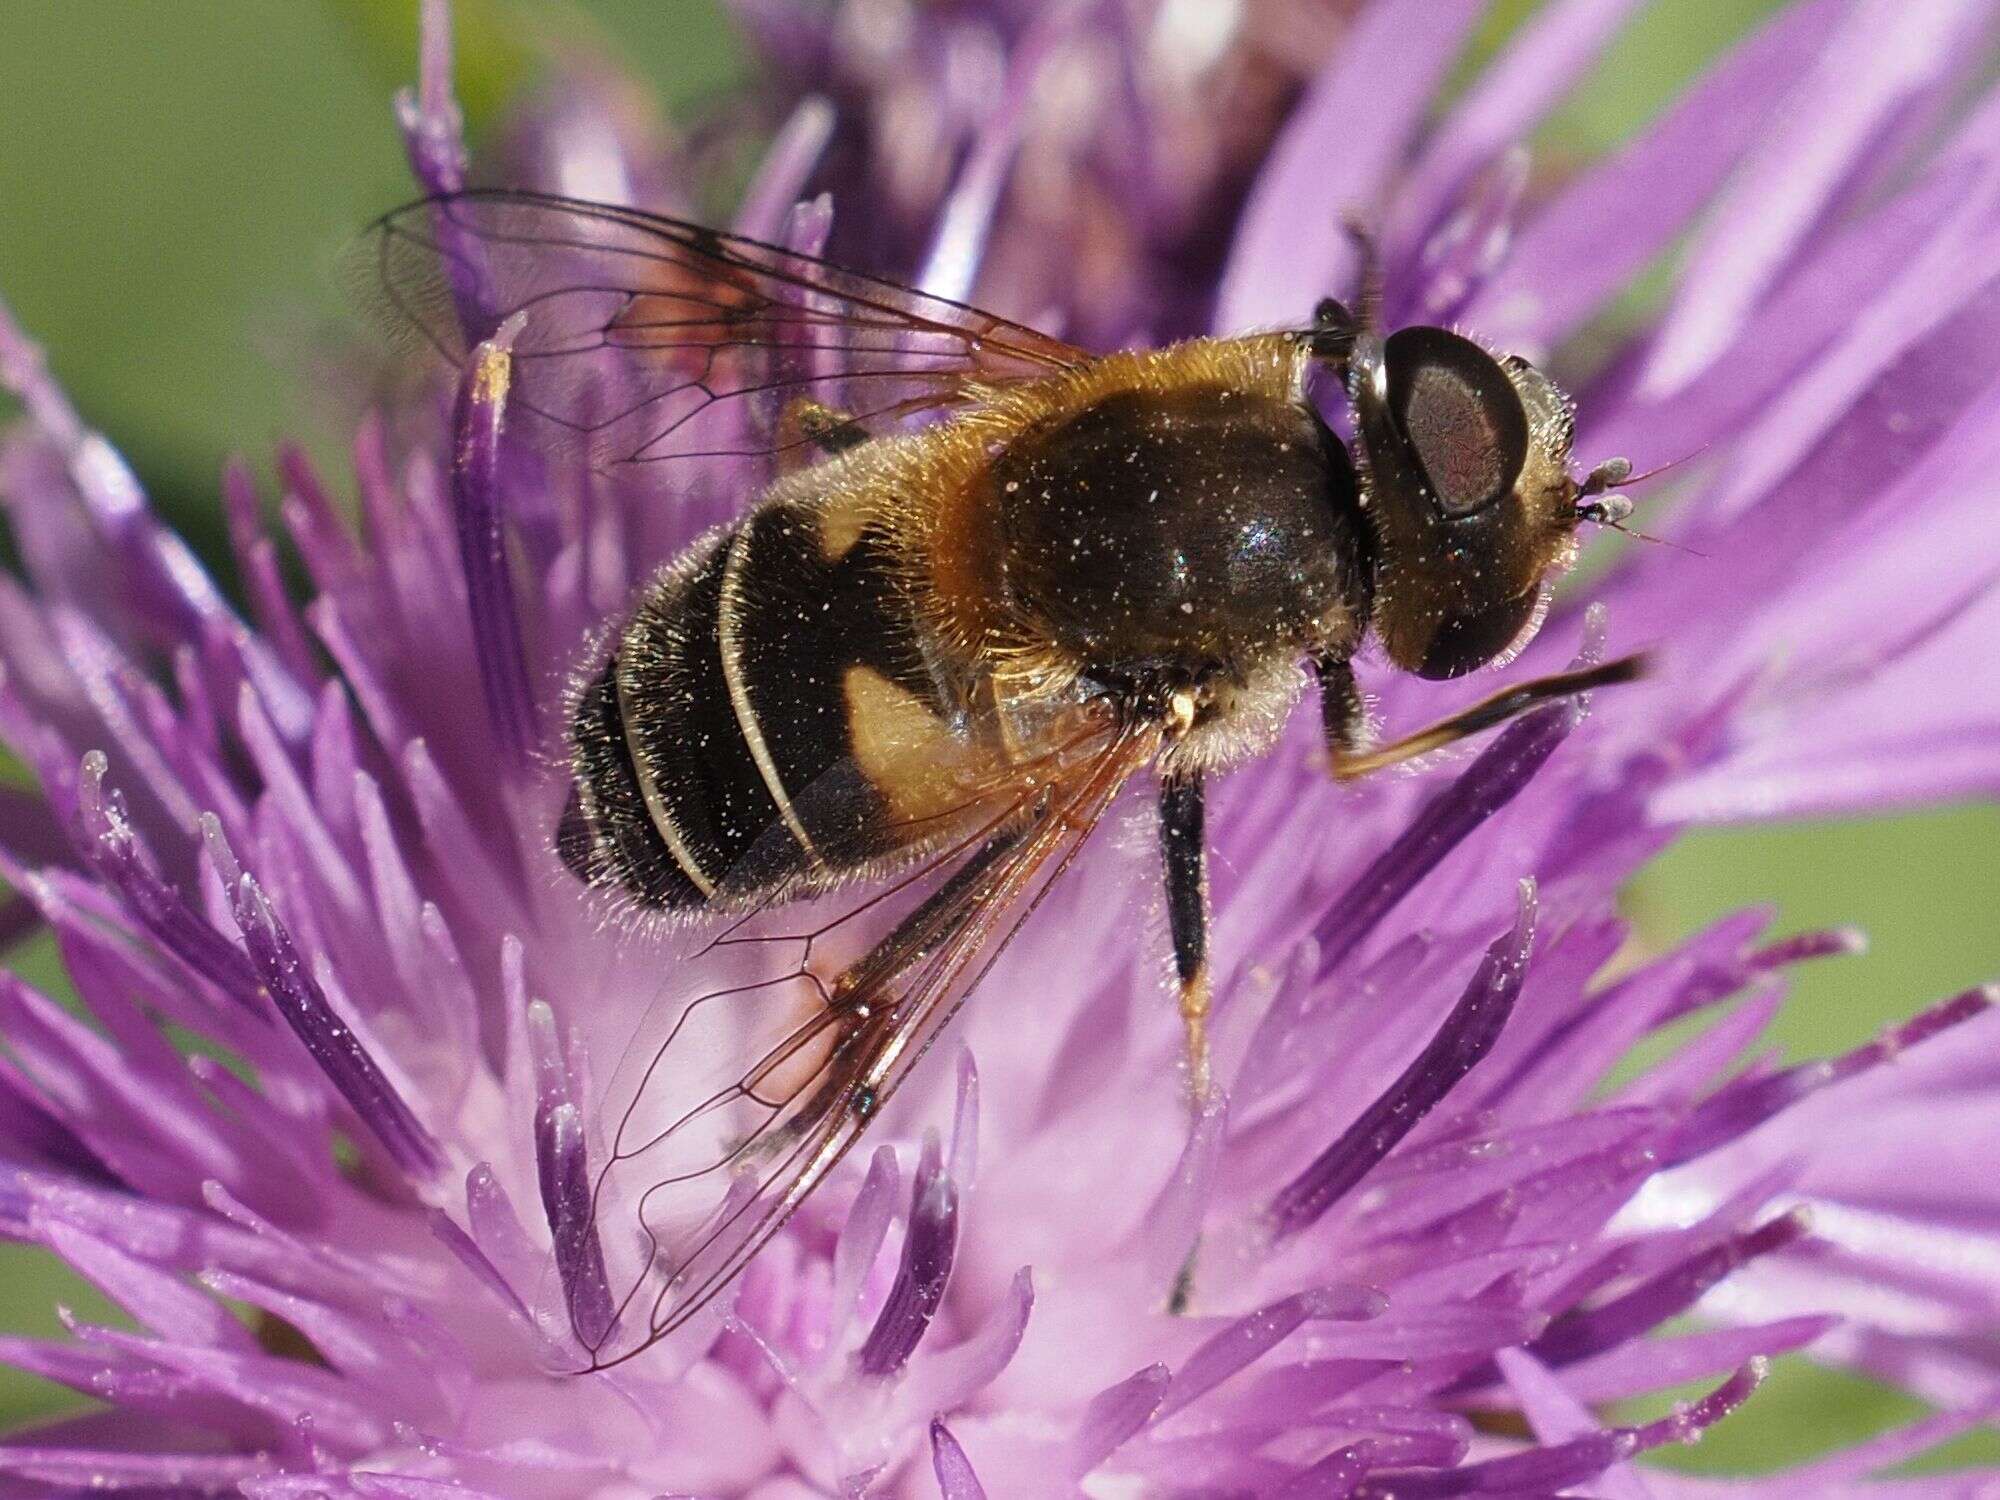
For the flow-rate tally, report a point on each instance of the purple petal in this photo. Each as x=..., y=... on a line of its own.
x=787, y=167
x=476, y=478
x=378, y=705
x=1465, y=250
x=1884, y=53
x=1408, y=1197
x=955, y=1478
x=263, y=577
x=1945, y=281
x=1557, y=1416
x=568, y=1201
x=335, y=761
x=285, y=788
x=862, y=1235
x=1465, y=1037
x=1742, y=1106
x=497, y=1229
x=1543, y=61
x=1610, y=221
x=273, y=1387
x=117, y=855
x=946, y=1380
x=332, y=1043
x=162, y=583
x=1654, y=1363
x=1684, y=1075
x=130, y=1111
x=1551, y=1469
x=925, y=1272
x=1251, y=1337
x=481, y=880
x=1579, y=1335
x=163, y=1303
x=1482, y=789
x=1802, y=947
x=31, y=1133
x=1115, y=1415
x=963, y=1159
x=78, y=1470
x=1172, y=1229
x=1334, y=1477
x=1446, y=1330
x=467, y=1252
x=434, y=137
x=1332, y=158
x=965, y=218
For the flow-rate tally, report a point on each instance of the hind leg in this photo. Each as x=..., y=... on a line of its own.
x=808, y=424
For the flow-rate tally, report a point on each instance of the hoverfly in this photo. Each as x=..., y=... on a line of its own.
x=931, y=654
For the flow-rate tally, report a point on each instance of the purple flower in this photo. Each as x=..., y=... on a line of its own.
x=1415, y=1241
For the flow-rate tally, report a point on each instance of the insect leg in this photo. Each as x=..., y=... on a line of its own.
x=832, y=432
x=1343, y=716
x=1336, y=326
x=1187, y=914
x=1485, y=714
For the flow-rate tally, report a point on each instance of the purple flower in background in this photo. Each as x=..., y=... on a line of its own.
x=1417, y=1240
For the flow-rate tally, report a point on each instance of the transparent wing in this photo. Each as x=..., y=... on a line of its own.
x=701, y=1175
x=648, y=338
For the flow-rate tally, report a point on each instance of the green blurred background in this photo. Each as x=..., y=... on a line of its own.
x=176, y=182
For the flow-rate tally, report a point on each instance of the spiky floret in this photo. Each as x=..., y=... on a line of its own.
x=1416, y=1216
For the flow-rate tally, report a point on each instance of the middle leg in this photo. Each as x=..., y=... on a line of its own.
x=1186, y=859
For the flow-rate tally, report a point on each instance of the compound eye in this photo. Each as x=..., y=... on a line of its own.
x=1460, y=414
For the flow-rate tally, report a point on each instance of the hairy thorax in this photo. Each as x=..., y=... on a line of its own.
x=1178, y=521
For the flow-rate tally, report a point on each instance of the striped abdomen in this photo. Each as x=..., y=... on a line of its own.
x=766, y=717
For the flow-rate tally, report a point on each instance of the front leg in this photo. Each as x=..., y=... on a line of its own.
x=1349, y=761
x=1186, y=859
x=1343, y=716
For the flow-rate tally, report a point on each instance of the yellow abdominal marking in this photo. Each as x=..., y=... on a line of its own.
x=840, y=524
x=903, y=748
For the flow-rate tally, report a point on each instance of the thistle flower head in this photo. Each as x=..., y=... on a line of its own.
x=1422, y=1233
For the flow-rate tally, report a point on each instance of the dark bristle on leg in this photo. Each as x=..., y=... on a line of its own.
x=1343, y=716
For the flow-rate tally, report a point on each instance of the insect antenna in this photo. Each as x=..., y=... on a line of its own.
x=1673, y=463
x=1644, y=536
x=1597, y=505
